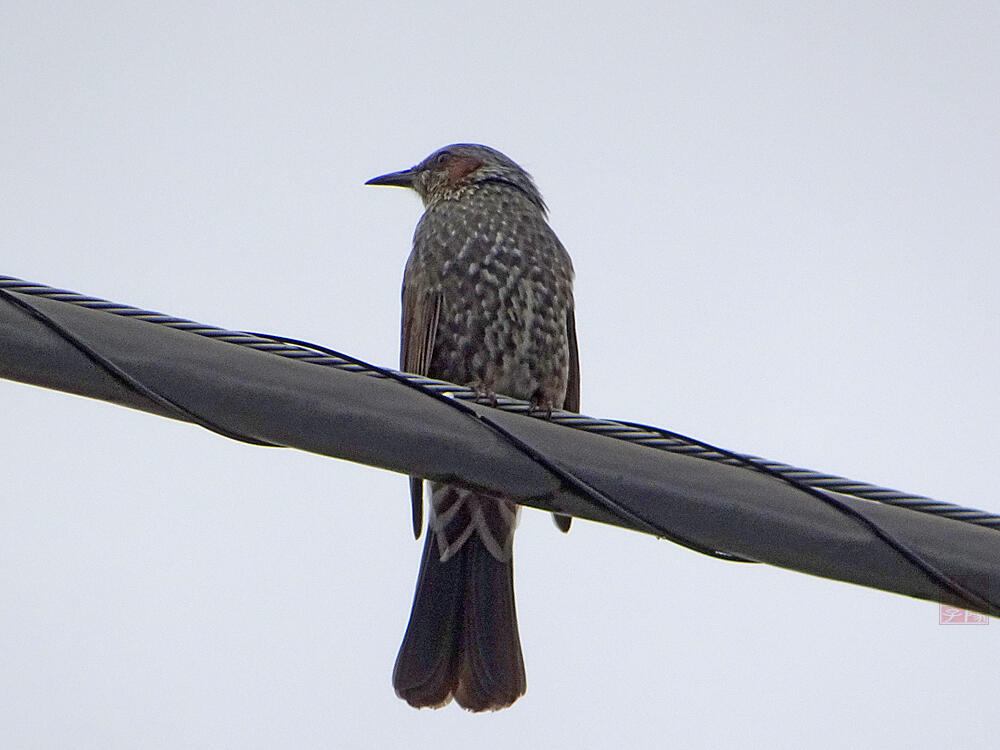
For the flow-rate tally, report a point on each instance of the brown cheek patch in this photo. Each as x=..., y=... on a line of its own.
x=461, y=167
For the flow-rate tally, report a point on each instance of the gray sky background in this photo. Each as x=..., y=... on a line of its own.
x=784, y=220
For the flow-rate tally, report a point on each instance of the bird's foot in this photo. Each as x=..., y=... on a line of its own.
x=484, y=393
x=541, y=407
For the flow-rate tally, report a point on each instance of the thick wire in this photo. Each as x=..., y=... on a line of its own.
x=8, y=284
x=641, y=434
x=935, y=574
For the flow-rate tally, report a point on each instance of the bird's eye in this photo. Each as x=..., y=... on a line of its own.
x=441, y=159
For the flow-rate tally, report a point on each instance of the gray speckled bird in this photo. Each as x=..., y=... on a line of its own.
x=487, y=303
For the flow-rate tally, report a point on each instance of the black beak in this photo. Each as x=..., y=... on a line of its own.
x=399, y=179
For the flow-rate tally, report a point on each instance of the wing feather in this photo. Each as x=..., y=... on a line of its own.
x=421, y=310
x=572, y=400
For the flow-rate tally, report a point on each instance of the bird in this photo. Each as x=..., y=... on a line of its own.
x=487, y=302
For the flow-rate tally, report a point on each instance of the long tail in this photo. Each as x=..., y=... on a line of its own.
x=462, y=640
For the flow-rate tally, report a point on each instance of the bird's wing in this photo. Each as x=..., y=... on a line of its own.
x=572, y=400
x=421, y=309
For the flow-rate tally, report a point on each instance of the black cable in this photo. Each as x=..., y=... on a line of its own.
x=124, y=378
x=607, y=428
x=932, y=572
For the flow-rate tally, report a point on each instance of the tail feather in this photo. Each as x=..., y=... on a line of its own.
x=462, y=640
x=491, y=673
x=428, y=659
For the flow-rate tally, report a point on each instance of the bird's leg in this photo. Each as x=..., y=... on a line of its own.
x=485, y=392
x=541, y=406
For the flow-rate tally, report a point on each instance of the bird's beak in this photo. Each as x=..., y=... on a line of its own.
x=399, y=179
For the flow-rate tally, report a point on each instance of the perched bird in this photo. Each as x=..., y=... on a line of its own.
x=487, y=303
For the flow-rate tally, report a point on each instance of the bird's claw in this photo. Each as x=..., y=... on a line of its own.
x=541, y=408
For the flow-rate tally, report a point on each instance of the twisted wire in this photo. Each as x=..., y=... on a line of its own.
x=645, y=435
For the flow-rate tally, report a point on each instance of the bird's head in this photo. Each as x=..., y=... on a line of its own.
x=455, y=171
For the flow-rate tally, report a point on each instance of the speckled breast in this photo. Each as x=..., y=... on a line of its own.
x=506, y=285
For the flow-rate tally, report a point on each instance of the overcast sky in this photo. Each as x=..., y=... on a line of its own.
x=784, y=221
